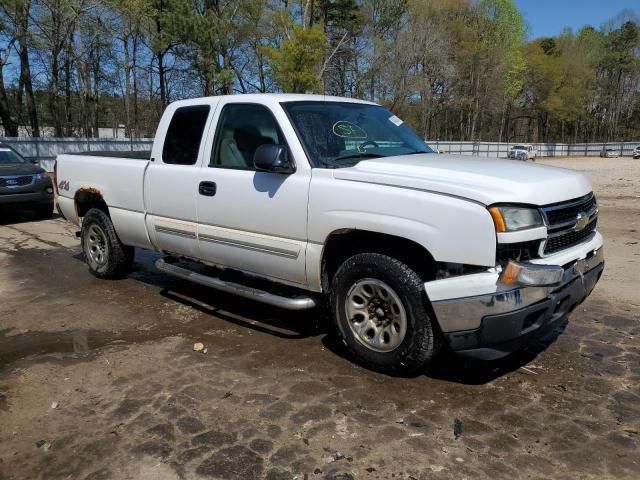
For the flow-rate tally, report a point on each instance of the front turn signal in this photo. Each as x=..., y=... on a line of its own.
x=498, y=219
x=531, y=275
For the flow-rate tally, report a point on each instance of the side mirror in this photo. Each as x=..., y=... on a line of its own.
x=35, y=161
x=273, y=158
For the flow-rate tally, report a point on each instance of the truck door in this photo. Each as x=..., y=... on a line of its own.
x=247, y=219
x=172, y=181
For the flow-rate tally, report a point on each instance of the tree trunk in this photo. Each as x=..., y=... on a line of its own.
x=56, y=45
x=95, y=92
x=161, y=78
x=53, y=94
x=127, y=85
x=225, y=87
x=83, y=85
x=67, y=89
x=261, y=76
x=619, y=95
x=25, y=69
x=8, y=122
x=503, y=119
x=134, y=66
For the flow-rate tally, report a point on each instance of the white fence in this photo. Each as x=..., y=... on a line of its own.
x=495, y=149
x=45, y=149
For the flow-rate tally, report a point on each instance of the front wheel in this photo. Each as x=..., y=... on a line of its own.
x=382, y=314
x=105, y=254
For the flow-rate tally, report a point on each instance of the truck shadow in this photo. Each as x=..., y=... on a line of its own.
x=455, y=368
x=451, y=367
x=231, y=308
x=274, y=322
x=448, y=366
x=296, y=325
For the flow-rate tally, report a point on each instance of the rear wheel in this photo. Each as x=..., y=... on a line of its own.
x=104, y=253
x=382, y=314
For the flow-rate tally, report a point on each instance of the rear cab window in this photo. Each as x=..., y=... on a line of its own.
x=185, y=132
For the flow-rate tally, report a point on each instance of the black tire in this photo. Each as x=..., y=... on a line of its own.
x=117, y=258
x=59, y=211
x=422, y=339
x=44, y=211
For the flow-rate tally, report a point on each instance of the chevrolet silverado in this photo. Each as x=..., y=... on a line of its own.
x=311, y=198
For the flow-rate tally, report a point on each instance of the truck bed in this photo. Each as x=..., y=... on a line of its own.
x=118, y=177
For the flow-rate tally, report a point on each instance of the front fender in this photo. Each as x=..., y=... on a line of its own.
x=452, y=229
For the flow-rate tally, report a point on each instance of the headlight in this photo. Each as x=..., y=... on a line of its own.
x=513, y=219
x=39, y=176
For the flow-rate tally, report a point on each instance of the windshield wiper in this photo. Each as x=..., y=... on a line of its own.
x=358, y=155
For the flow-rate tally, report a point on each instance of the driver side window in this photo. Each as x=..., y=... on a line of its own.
x=242, y=128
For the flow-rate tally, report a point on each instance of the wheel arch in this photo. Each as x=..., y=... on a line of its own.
x=87, y=198
x=344, y=243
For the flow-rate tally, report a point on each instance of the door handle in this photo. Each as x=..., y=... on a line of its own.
x=208, y=189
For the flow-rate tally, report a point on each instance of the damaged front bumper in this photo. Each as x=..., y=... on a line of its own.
x=481, y=316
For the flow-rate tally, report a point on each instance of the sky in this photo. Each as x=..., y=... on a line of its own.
x=549, y=17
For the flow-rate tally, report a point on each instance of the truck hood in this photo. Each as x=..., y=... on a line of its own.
x=484, y=180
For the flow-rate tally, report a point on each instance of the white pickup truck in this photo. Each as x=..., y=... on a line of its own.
x=313, y=198
x=523, y=152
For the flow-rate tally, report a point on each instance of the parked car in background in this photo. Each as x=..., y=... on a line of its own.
x=636, y=152
x=523, y=152
x=609, y=153
x=331, y=201
x=24, y=184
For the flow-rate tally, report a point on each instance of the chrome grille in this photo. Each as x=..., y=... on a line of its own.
x=569, y=239
x=19, y=181
x=561, y=213
x=569, y=223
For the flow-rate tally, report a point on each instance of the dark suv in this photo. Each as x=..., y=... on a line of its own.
x=23, y=184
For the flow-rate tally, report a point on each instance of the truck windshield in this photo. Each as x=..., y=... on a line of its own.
x=341, y=134
x=8, y=156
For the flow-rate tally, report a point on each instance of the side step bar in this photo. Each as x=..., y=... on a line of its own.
x=298, y=303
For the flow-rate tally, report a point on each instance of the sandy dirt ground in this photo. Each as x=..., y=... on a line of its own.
x=98, y=379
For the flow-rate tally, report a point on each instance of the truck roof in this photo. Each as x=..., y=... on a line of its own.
x=277, y=97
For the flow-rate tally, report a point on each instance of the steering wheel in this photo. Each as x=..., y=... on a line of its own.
x=368, y=142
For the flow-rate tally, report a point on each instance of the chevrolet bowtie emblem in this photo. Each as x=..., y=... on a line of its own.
x=581, y=222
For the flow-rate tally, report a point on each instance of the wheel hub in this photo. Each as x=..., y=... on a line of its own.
x=376, y=315
x=96, y=247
